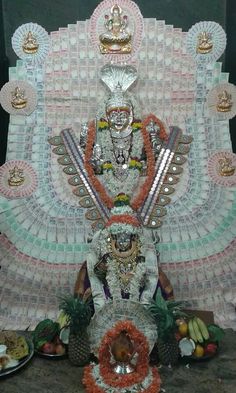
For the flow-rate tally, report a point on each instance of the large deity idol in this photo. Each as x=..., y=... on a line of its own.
x=126, y=168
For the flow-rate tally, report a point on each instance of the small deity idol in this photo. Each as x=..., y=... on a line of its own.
x=30, y=45
x=205, y=44
x=226, y=168
x=19, y=100
x=224, y=104
x=116, y=39
x=16, y=176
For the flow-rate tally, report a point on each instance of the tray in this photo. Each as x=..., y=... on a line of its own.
x=21, y=363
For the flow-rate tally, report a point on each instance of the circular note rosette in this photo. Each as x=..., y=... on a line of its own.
x=222, y=168
x=116, y=30
x=17, y=179
x=206, y=41
x=121, y=310
x=18, y=98
x=31, y=43
x=221, y=101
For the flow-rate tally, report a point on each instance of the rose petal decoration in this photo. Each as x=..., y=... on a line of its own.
x=27, y=92
x=217, y=37
x=39, y=40
x=23, y=190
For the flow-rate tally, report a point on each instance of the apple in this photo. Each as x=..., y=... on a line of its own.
x=60, y=349
x=48, y=348
x=210, y=349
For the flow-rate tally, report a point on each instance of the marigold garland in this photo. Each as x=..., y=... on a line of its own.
x=141, y=345
x=92, y=387
x=123, y=219
x=107, y=200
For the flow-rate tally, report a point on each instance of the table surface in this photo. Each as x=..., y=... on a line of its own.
x=216, y=375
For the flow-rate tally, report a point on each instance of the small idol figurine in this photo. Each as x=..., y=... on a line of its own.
x=30, y=45
x=16, y=176
x=116, y=39
x=226, y=168
x=205, y=44
x=19, y=100
x=224, y=104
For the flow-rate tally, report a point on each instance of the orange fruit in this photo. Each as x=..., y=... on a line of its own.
x=183, y=329
x=199, y=351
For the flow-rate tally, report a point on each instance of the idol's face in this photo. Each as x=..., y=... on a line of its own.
x=123, y=241
x=118, y=119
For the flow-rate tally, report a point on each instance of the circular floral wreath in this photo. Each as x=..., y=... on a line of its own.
x=121, y=381
x=142, y=350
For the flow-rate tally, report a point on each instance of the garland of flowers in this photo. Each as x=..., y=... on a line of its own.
x=107, y=200
x=104, y=356
x=134, y=283
x=123, y=219
x=91, y=383
x=138, y=201
x=88, y=155
x=121, y=381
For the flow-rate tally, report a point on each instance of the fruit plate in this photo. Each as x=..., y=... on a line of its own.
x=22, y=362
x=201, y=358
x=51, y=356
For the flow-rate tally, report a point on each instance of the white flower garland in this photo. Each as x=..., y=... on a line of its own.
x=134, y=284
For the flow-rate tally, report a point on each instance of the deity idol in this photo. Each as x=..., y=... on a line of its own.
x=116, y=39
x=126, y=168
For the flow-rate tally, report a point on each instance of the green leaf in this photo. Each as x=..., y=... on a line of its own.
x=216, y=332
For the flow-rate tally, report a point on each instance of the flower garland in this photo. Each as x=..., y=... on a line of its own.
x=121, y=381
x=134, y=283
x=107, y=200
x=104, y=356
x=123, y=219
x=138, y=201
x=94, y=383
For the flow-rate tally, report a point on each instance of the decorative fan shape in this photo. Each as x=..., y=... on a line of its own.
x=31, y=42
x=18, y=98
x=18, y=179
x=221, y=101
x=206, y=41
x=118, y=311
x=222, y=168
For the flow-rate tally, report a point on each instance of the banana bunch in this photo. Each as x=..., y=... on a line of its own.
x=198, y=330
x=62, y=319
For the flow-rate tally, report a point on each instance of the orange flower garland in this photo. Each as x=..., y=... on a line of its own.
x=123, y=219
x=138, y=201
x=107, y=200
x=91, y=386
x=141, y=346
x=119, y=381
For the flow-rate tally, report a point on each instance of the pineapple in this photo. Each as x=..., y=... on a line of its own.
x=78, y=312
x=165, y=314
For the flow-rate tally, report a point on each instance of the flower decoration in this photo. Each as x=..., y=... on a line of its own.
x=114, y=381
x=107, y=166
x=31, y=43
x=18, y=98
x=143, y=192
x=206, y=41
x=135, y=164
x=121, y=200
x=123, y=219
x=221, y=101
x=17, y=179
